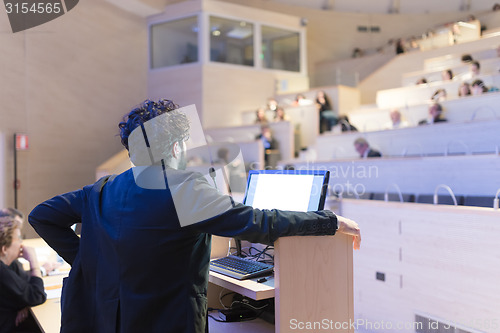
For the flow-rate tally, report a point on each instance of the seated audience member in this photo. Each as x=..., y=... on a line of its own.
x=357, y=53
x=326, y=115
x=323, y=101
x=467, y=58
x=346, y=125
x=301, y=100
x=413, y=44
x=279, y=115
x=271, y=145
x=478, y=88
x=400, y=47
x=235, y=169
x=422, y=80
x=439, y=96
x=455, y=31
x=19, y=289
x=396, y=121
x=464, y=89
x=496, y=7
x=474, y=71
x=260, y=116
x=447, y=75
x=272, y=104
x=364, y=150
x=471, y=18
x=222, y=156
x=475, y=68
x=435, y=115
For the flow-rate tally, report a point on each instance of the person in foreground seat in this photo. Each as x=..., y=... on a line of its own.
x=142, y=262
x=364, y=150
x=18, y=289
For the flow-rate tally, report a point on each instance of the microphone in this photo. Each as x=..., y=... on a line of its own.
x=211, y=172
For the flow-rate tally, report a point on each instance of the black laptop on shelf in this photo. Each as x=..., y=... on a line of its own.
x=295, y=190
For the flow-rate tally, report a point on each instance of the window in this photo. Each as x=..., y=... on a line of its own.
x=174, y=42
x=231, y=41
x=281, y=49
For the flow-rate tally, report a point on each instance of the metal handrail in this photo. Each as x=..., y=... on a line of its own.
x=467, y=150
x=446, y=187
x=386, y=194
x=338, y=149
x=495, y=201
x=405, y=150
x=483, y=107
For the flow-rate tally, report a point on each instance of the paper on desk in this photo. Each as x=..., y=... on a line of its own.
x=53, y=291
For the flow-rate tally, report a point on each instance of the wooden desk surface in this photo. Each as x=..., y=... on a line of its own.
x=250, y=287
x=48, y=314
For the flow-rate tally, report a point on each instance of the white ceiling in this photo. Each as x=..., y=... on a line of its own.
x=151, y=7
x=394, y=6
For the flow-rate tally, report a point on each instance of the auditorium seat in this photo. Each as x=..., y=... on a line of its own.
x=442, y=199
x=394, y=197
x=479, y=201
x=351, y=195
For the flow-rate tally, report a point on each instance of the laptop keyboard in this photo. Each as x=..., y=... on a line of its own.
x=239, y=268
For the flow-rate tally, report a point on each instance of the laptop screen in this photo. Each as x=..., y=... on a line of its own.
x=296, y=190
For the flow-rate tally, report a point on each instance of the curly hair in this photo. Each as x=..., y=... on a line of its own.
x=8, y=224
x=11, y=212
x=142, y=113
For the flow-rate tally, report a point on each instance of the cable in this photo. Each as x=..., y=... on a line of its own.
x=248, y=305
x=245, y=254
x=246, y=319
x=219, y=320
x=221, y=297
x=262, y=255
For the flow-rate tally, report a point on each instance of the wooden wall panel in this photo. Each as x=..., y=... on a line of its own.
x=449, y=263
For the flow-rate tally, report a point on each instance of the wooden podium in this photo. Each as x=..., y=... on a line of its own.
x=313, y=283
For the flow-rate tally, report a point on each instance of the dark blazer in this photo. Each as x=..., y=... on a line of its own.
x=437, y=120
x=373, y=153
x=18, y=290
x=135, y=268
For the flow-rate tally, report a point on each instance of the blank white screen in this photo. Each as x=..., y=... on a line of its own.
x=284, y=192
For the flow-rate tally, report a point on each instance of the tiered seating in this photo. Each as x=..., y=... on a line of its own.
x=433, y=74
x=444, y=36
x=422, y=93
x=478, y=137
x=404, y=197
x=390, y=75
x=282, y=131
x=467, y=176
x=454, y=60
x=479, y=201
x=471, y=127
x=305, y=118
x=462, y=153
x=463, y=109
x=416, y=256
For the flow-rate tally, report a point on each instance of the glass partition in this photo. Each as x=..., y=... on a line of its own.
x=231, y=41
x=280, y=49
x=174, y=42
